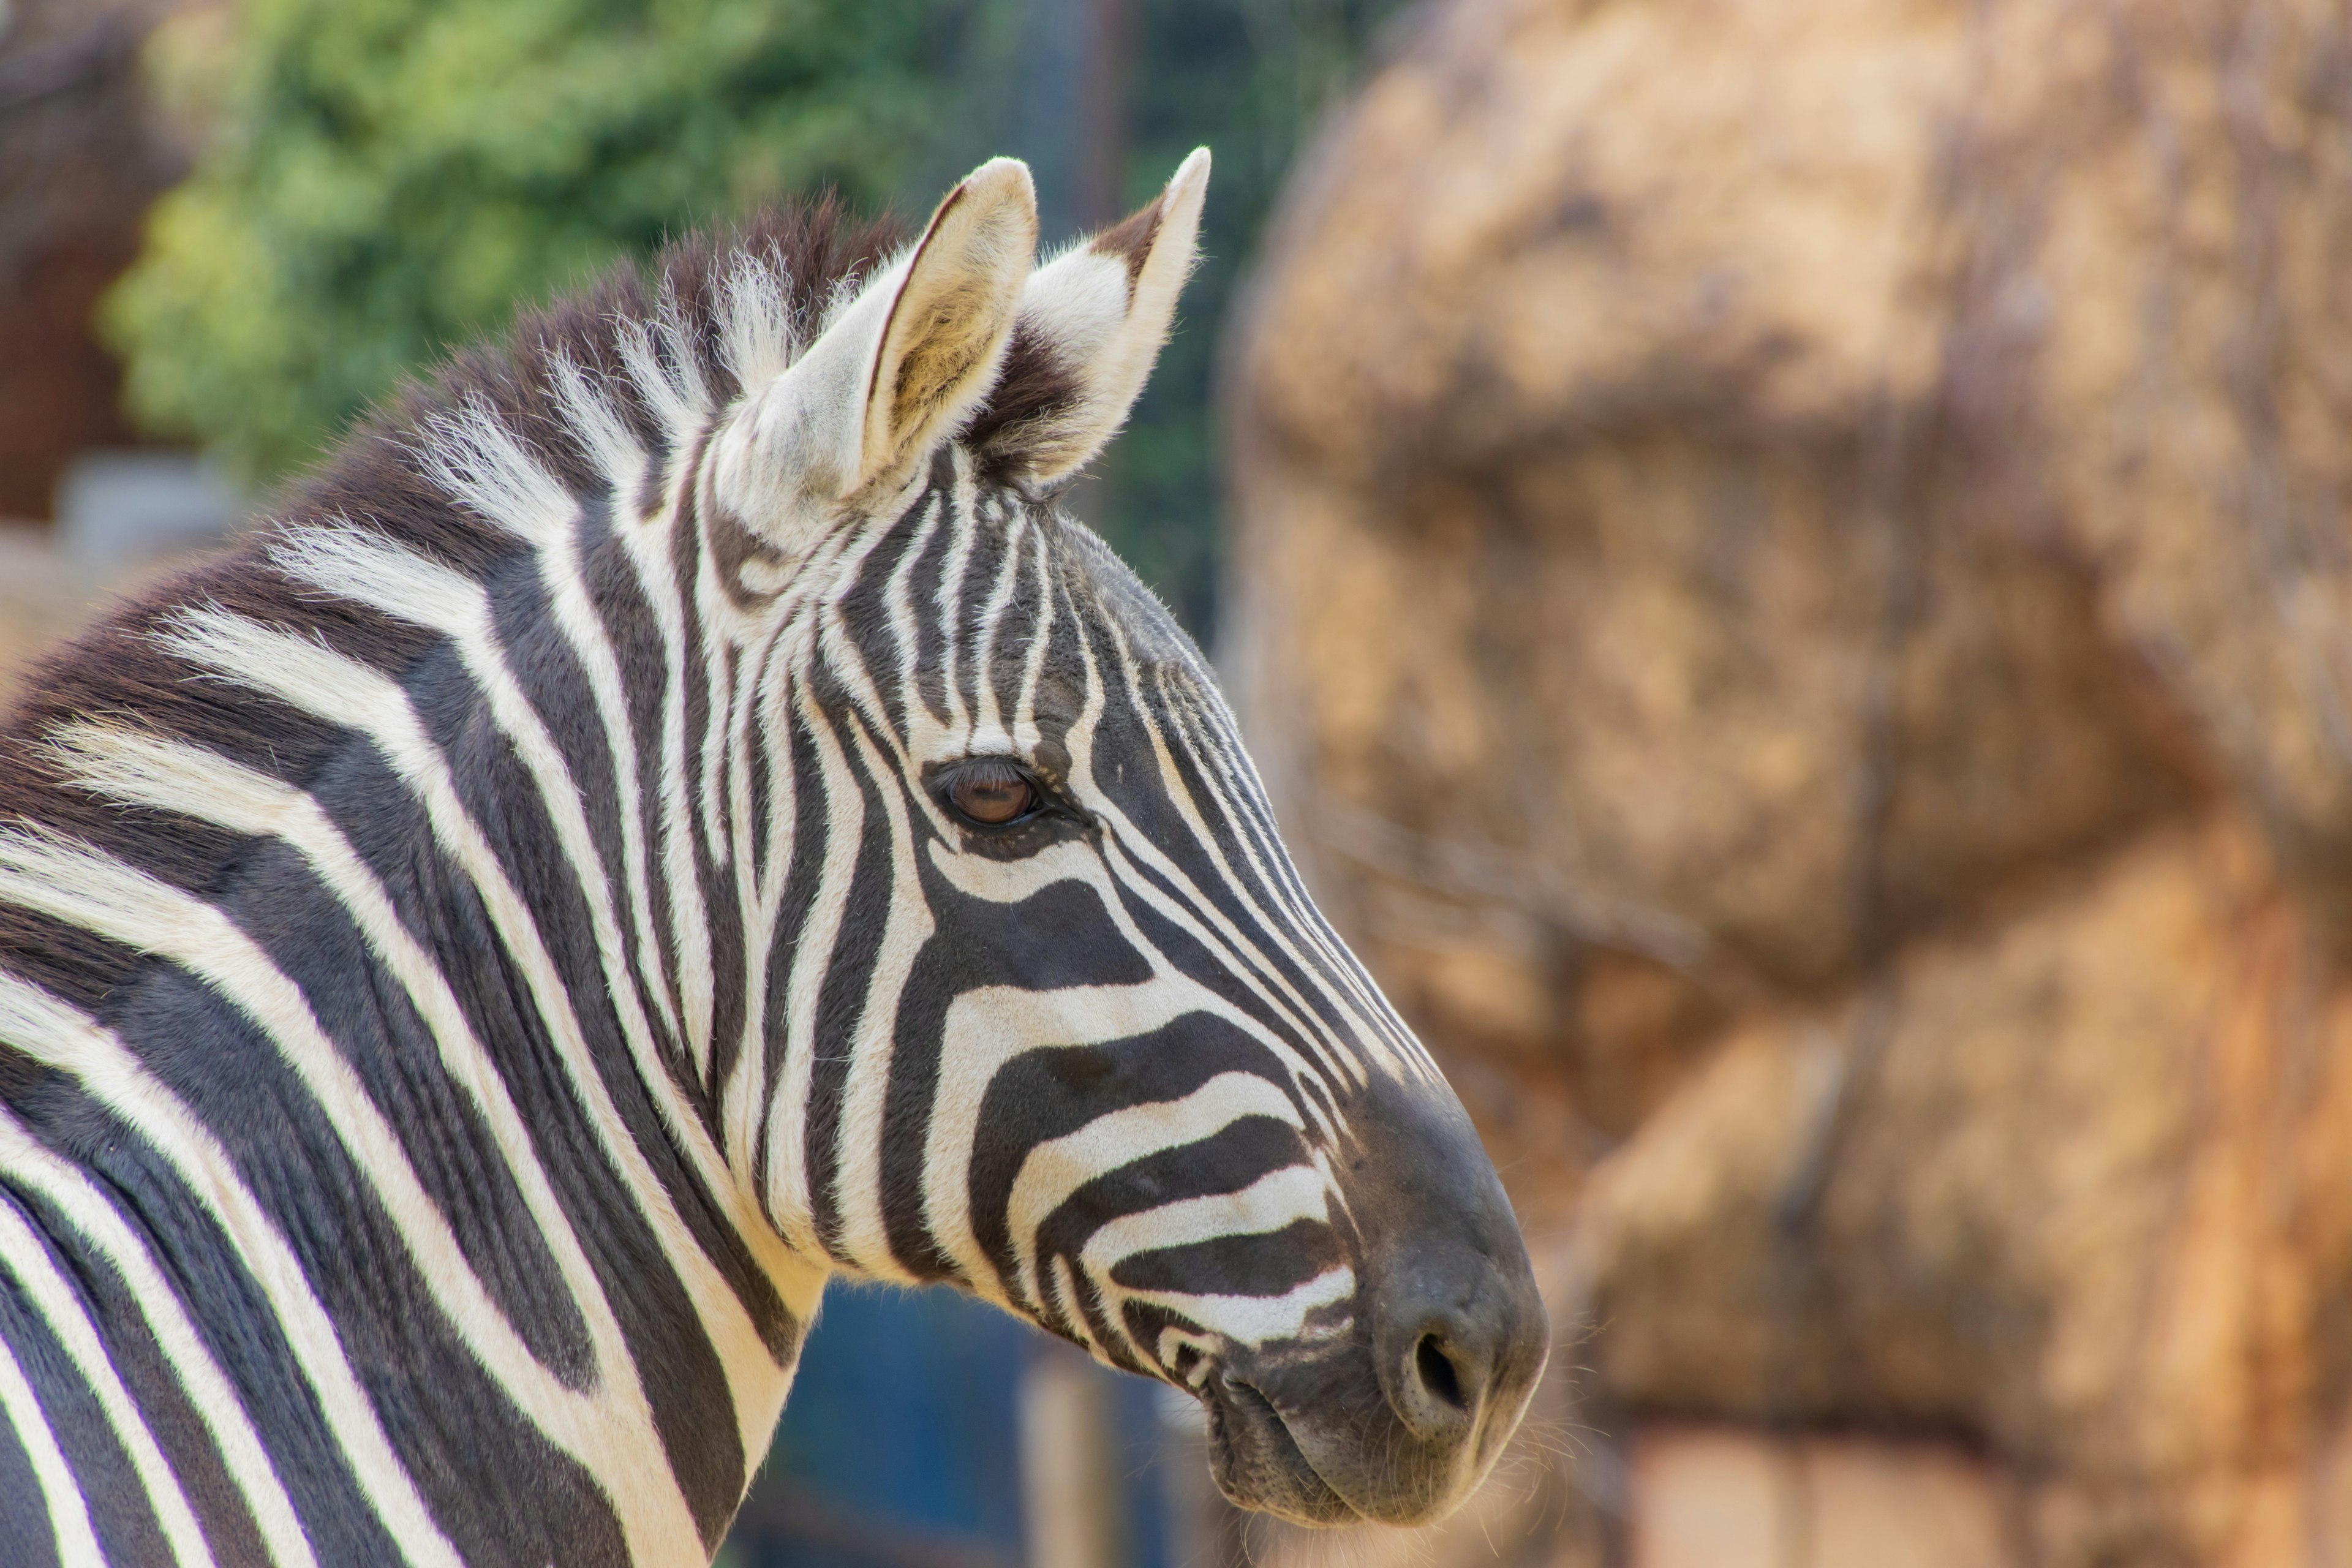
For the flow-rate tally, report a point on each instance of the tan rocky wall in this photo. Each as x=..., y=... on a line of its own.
x=1790, y=583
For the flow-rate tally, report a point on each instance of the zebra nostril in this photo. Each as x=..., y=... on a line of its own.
x=1437, y=1372
x=1436, y=1378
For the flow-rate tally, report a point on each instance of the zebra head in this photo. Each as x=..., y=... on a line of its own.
x=1059, y=1021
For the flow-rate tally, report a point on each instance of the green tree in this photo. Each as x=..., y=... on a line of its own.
x=385, y=178
x=381, y=180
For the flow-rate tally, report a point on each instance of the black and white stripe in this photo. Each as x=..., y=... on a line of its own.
x=476, y=960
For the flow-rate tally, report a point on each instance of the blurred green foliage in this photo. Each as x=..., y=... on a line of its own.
x=382, y=179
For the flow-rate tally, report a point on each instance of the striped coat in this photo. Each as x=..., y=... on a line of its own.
x=672, y=812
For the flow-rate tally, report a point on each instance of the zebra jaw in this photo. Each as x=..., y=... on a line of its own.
x=474, y=959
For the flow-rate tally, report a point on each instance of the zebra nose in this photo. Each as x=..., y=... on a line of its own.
x=1453, y=1329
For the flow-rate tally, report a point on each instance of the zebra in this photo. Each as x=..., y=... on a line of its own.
x=673, y=810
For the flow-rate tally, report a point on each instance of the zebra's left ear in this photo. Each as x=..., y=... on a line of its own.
x=1088, y=329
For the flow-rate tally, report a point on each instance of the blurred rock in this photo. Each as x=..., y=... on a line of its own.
x=1726, y=1498
x=1791, y=587
x=2068, y=1186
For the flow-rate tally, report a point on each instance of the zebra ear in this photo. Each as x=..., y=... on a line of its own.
x=950, y=312
x=1090, y=326
x=905, y=362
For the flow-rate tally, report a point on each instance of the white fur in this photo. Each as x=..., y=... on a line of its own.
x=58, y=1036
x=756, y=331
x=65, y=1188
x=1108, y=330
x=68, y=1515
x=42, y=1289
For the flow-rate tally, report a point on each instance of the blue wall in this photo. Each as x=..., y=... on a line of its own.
x=900, y=1447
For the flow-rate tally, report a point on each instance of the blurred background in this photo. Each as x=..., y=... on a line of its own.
x=1785, y=562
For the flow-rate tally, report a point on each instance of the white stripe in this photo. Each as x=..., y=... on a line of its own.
x=740, y=1112
x=206, y=786
x=70, y=1524
x=789, y=1198
x=41, y=1288
x=58, y=1036
x=947, y=599
x=1049, y=606
x=1274, y=1201
x=1055, y=1170
x=992, y=620
x=216, y=1401
x=905, y=632
x=345, y=692
x=1255, y=1320
x=623, y=463
x=714, y=609
x=689, y=926
x=907, y=926
x=105, y=896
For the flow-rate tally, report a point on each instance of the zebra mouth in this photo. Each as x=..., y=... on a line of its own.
x=1258, y=1464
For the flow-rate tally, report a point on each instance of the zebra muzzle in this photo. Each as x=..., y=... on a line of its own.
x=1399, y=1417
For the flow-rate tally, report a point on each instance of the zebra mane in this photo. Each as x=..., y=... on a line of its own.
x=715, y=311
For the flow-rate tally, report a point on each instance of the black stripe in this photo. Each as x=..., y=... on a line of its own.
x=1269, y=1264
x=1050, y=1093
x=179, y=1430
x=129, y=1532
x=23, y=1508
x=849, y=977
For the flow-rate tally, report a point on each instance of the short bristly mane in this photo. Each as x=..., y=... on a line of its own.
x=714, y=310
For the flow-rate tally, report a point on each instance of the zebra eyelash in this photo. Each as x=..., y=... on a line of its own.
x=1052, y=803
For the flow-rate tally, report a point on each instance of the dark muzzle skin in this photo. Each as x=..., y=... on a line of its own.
x=1399, y=1419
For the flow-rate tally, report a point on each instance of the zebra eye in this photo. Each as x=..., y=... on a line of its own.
x=991, y=792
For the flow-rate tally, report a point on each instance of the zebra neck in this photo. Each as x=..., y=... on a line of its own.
x=385, y=1083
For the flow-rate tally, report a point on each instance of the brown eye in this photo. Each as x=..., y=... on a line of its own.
x=992, y=793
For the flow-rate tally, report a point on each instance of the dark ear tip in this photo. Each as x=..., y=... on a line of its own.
x=1130, y=239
